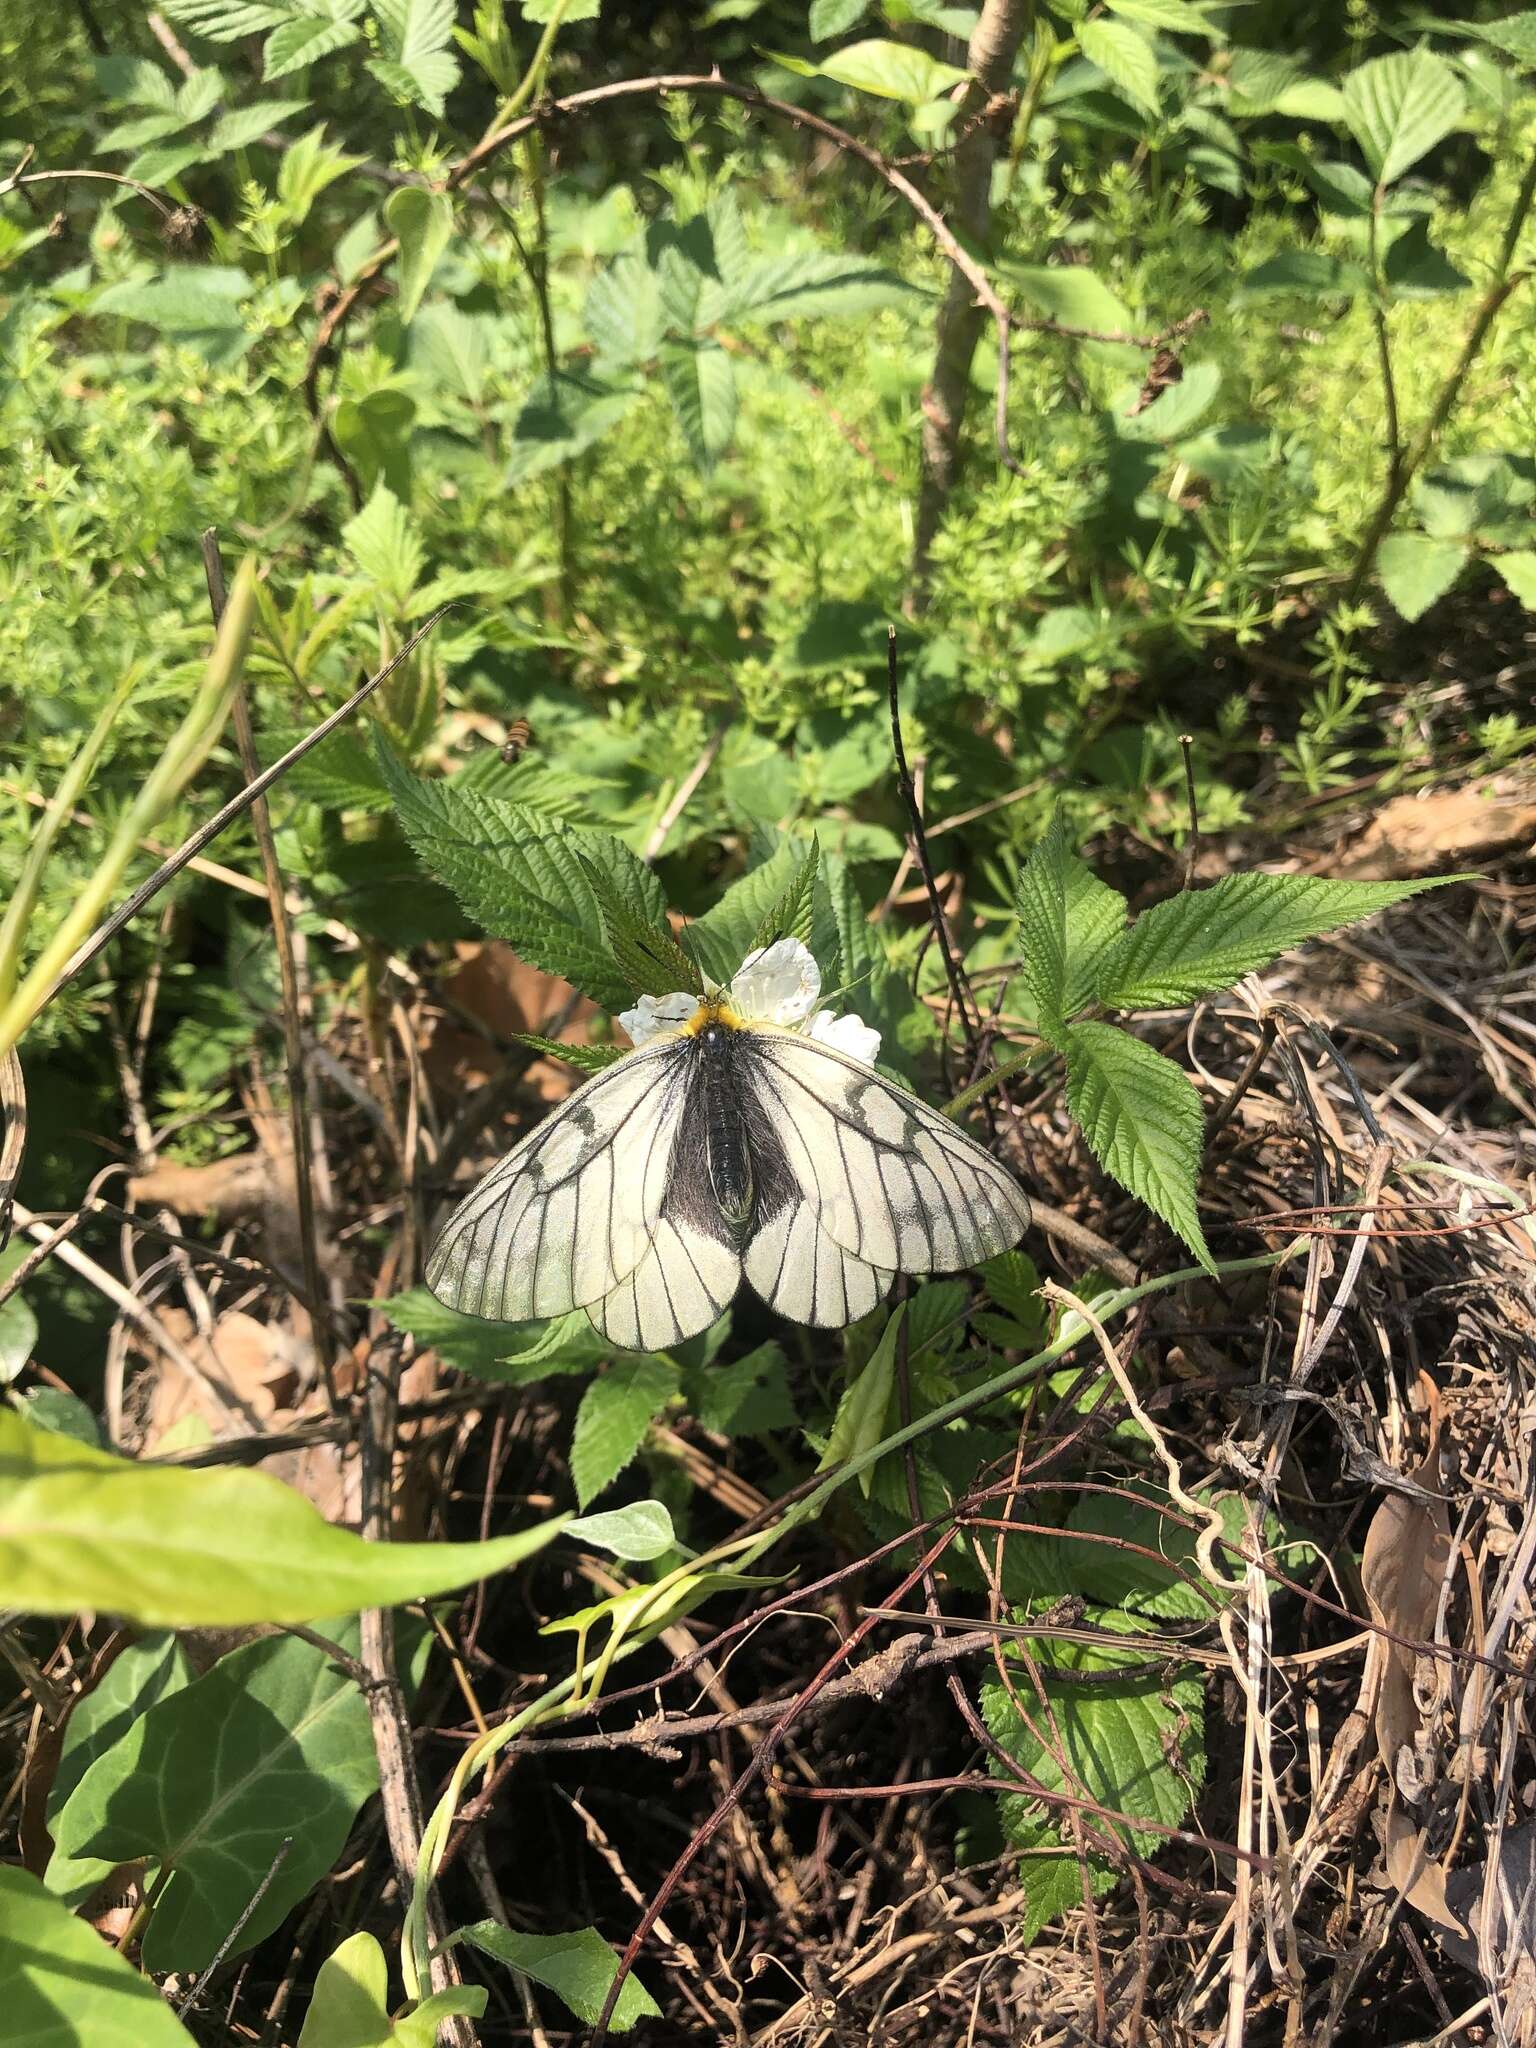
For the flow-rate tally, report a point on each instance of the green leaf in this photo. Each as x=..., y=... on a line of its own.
x=749, y=1397
x=418, y=66
x=537, y=12
x=1307, y=273
x=562, y=418
x=615, y=1413
x=1135, y=1747
x=18, y=1325
x=1204, y=940
x=646, y=954
x=892, y=71
x=193, y=298
x=225, y=21
x=1175, y=411
x=1125, y=57
x=1142, y=1119
x=702, y=385
x=385, y=542
x=62, y=1986
x=794, y=915
x=273, y=1744
x=1515, y=35
x=797, y=284
x=1417, y=571
x=579, y=1968
x=722, y=938
x=1067, y=918
x=1416, y=269
x=1070, y=294
x=65, y=1414
x=860, y=1419
x=587, y=1059
x=525, y=877
x=1399, y=107
x=248, y=124
x=1180, y=17
x=350, y=2006
x=305, y=40
x=422, y=223
x=1518, y=570
x=637, y=1533
x=177, y=1548
x=831, y=18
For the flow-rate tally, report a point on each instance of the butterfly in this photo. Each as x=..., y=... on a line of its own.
x=747, y=1137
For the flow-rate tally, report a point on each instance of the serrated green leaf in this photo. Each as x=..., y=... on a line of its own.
x=1518, y=570
x=1142, y=1119
x=1204, y=940
x=245, y=125
x=637, y=1534
x=589, y=1059
x=1067, y=919
x=562, y=418
x=225, y=21
x=615, y=1413
x=1180, y=17
x=722, y=938
x=797, y=284
x=82, y=1529
x=645, y=952
x=62, y=1986
x=273, y=1744
x=525, y=877
x=1125, y=57
x=350, y=2005
x=1398, y=107
x=794, y=915
x=417, y=66
x=579, y=1968
x=1515, y=34
x=385, y=542
x=1416, y=571
x=701, y=382
x=422, y=223
x=305, y=40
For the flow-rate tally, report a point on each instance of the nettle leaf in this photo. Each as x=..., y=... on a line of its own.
x=60, y=1983
x=418, y=66
x=1416, y=571
x=273, y=1744
x=305, y=39
x=350, y=2006
x=1135, y=1747
x=1067, y=920
x=1126, y=58
x=722, y=938
x=385, y=542
x=525, y=877
x=225, y=21
x=1142, y=1118
x=1399, y=107
x=587, y=1059
x=647, y=955
x=579, y=1968
x=177, y=1548
x=615, y=1413
x=637, y=1534
x=701, y=383
x=422, y=223
x=794, y=915
x=1204, y=940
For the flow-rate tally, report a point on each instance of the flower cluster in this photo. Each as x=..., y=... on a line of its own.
x=777, y=986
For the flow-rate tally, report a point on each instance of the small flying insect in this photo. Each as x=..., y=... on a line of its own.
x=517, y=742
x=747, y=1136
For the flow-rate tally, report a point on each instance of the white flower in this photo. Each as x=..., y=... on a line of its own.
x=658, y=1016
x=776, y=985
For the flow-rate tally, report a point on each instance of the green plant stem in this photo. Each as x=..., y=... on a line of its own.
x=533, y=77
x=959, y=1104
x=188, y=749
x=1505, y=281
x=564, y=1696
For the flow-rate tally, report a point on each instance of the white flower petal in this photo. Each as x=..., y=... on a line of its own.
x=777, y=984
x=654, y=1016
x=849, y=1035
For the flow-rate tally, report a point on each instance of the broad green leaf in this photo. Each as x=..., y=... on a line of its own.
x=794, y=915
x=538, y=12
x=65, y=1414
x=860, y=1418
x=145, y=1672
x=1102, y=1552
x=1416, y=269
x=225, y=21
x=587, y=1059
x=800, y=284
x=1515, y=35
x=340, y=773
x=1173, y=413
x=1067, y=917
x=192, y=298
x=1398, y=107
x=306, y=169
x=829, y=18
x=62, y=1986
x=623, y=312
x=273, y=1744
x=892, y=71
x=525, y=877
x=422, y=223
x=514, y=1352
x=749, y=1397
x=702, y=385
x=579, y=1968
x=1416, y=571
x=1180, y=17
x=18, y=1325
x=1518, y=570
x=385, y=542
x=245, y=125
x=1307, y=273
x=417, y=66
x=305, y=40
x=1204, y=940
x=350, y=2006
x=615, y=1413
x=637, y=1533
x=1142, y=1118
x=1070, y=294
x=82, y=1529
x=645, y=952
x=1125, y=57
x=722, y=938
x=560, y=420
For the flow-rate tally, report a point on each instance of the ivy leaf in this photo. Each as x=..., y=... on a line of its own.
x=60, y=1983
x=615, y=1413
x=1204, y=940
x=1067, y=919
x=1142, y=1118
x=1417, y=571
x=525, y=877
x=350, y=2005
x=422, y=223
x=579, y=1968
x=1125, y=57
x=1398, y=107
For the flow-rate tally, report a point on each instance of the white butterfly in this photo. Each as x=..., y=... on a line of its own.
x=747, y=1136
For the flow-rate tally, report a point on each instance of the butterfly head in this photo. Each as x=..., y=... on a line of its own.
x=715, y=1017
